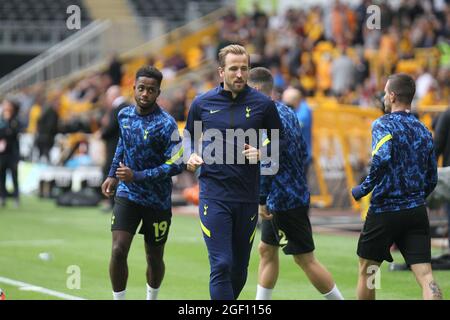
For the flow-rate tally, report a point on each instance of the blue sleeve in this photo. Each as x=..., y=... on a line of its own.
x=272, y=123
x=272, y=146
x=190, y=142
x=381, y=155
x=265, y=181
x=173, y=154
x=118, y=157
x=432, y=175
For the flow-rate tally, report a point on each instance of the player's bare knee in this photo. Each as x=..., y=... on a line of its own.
x=367, y=267
x=155, y=263
x=119, y=252
x=422, y=272
x=305, y=260
x=266, y=251
x=155, y=256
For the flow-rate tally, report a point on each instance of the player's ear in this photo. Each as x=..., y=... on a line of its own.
x=221, y=71
x=392, y=97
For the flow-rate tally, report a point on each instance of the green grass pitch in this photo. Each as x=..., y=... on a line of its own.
x=81, y=237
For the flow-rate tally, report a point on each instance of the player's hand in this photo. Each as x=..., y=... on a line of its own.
x=109, y=187
x=194, y=162
x=124, y=173
x=251, y=153
x=264, y=213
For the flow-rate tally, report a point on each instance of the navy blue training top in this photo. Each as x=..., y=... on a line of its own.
x=218, y=112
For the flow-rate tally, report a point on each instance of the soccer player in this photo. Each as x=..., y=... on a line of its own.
x=403, y=173
x=145, y=159
x=229, y=192
x=442, y=143
x=285, y=220
x=110, y=131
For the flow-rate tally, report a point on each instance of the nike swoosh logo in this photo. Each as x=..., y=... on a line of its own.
x=213, y=111
x=125, y=127
x=158, y=240
x=252, y=218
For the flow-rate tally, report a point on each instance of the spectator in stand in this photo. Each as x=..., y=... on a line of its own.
x=9, y=149
x=292, y=97
x=115, y=70
x=442, y=145
x=343, y=73
x=110, y=130
x=47, y=128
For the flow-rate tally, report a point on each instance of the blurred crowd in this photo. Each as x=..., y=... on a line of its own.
x=335, y=52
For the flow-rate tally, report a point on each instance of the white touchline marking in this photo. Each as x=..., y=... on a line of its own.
x=29, y=287
x=41, y=242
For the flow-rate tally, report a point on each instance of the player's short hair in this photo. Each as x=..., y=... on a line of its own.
x=403, y=86
x=150, y=72
x=261, y=76
x=234, y=49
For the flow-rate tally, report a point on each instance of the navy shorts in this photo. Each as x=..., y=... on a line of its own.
x=291, y=230
x=127, y=216
x=408, y=229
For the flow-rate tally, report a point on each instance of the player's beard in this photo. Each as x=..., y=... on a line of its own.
x=234, y=87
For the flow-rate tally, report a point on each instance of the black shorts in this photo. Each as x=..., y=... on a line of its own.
x=408, y=229
x=291, y=230
x=127, y=215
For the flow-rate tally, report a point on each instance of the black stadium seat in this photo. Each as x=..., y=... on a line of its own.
x=32, y=12
x=171, y=10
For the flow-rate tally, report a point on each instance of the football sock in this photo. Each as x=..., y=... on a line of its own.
x=119, y=295
x=263, y=293
x=334, y=294
x=152, y=293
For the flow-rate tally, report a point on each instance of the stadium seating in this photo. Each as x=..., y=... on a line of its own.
x=174, y=11
x=28, y=22
x=44, y=10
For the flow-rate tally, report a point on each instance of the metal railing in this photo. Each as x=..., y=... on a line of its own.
x=73, y=53
x=81, y=51
x=32, y=37
x=88, y=49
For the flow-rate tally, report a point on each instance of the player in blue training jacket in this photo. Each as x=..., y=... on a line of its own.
x=229, y=188
x=403, y=173
x=148, y=154
x=284, y=206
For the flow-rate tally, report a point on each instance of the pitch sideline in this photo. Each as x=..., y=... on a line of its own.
x=30, y=287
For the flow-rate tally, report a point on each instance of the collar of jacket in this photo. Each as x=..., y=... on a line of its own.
x=228, y=94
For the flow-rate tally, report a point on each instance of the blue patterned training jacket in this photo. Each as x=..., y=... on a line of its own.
x=146, y=147
x=288, y=189
x=404, y=168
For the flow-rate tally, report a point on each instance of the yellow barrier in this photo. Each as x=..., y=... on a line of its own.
x=341, y=134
